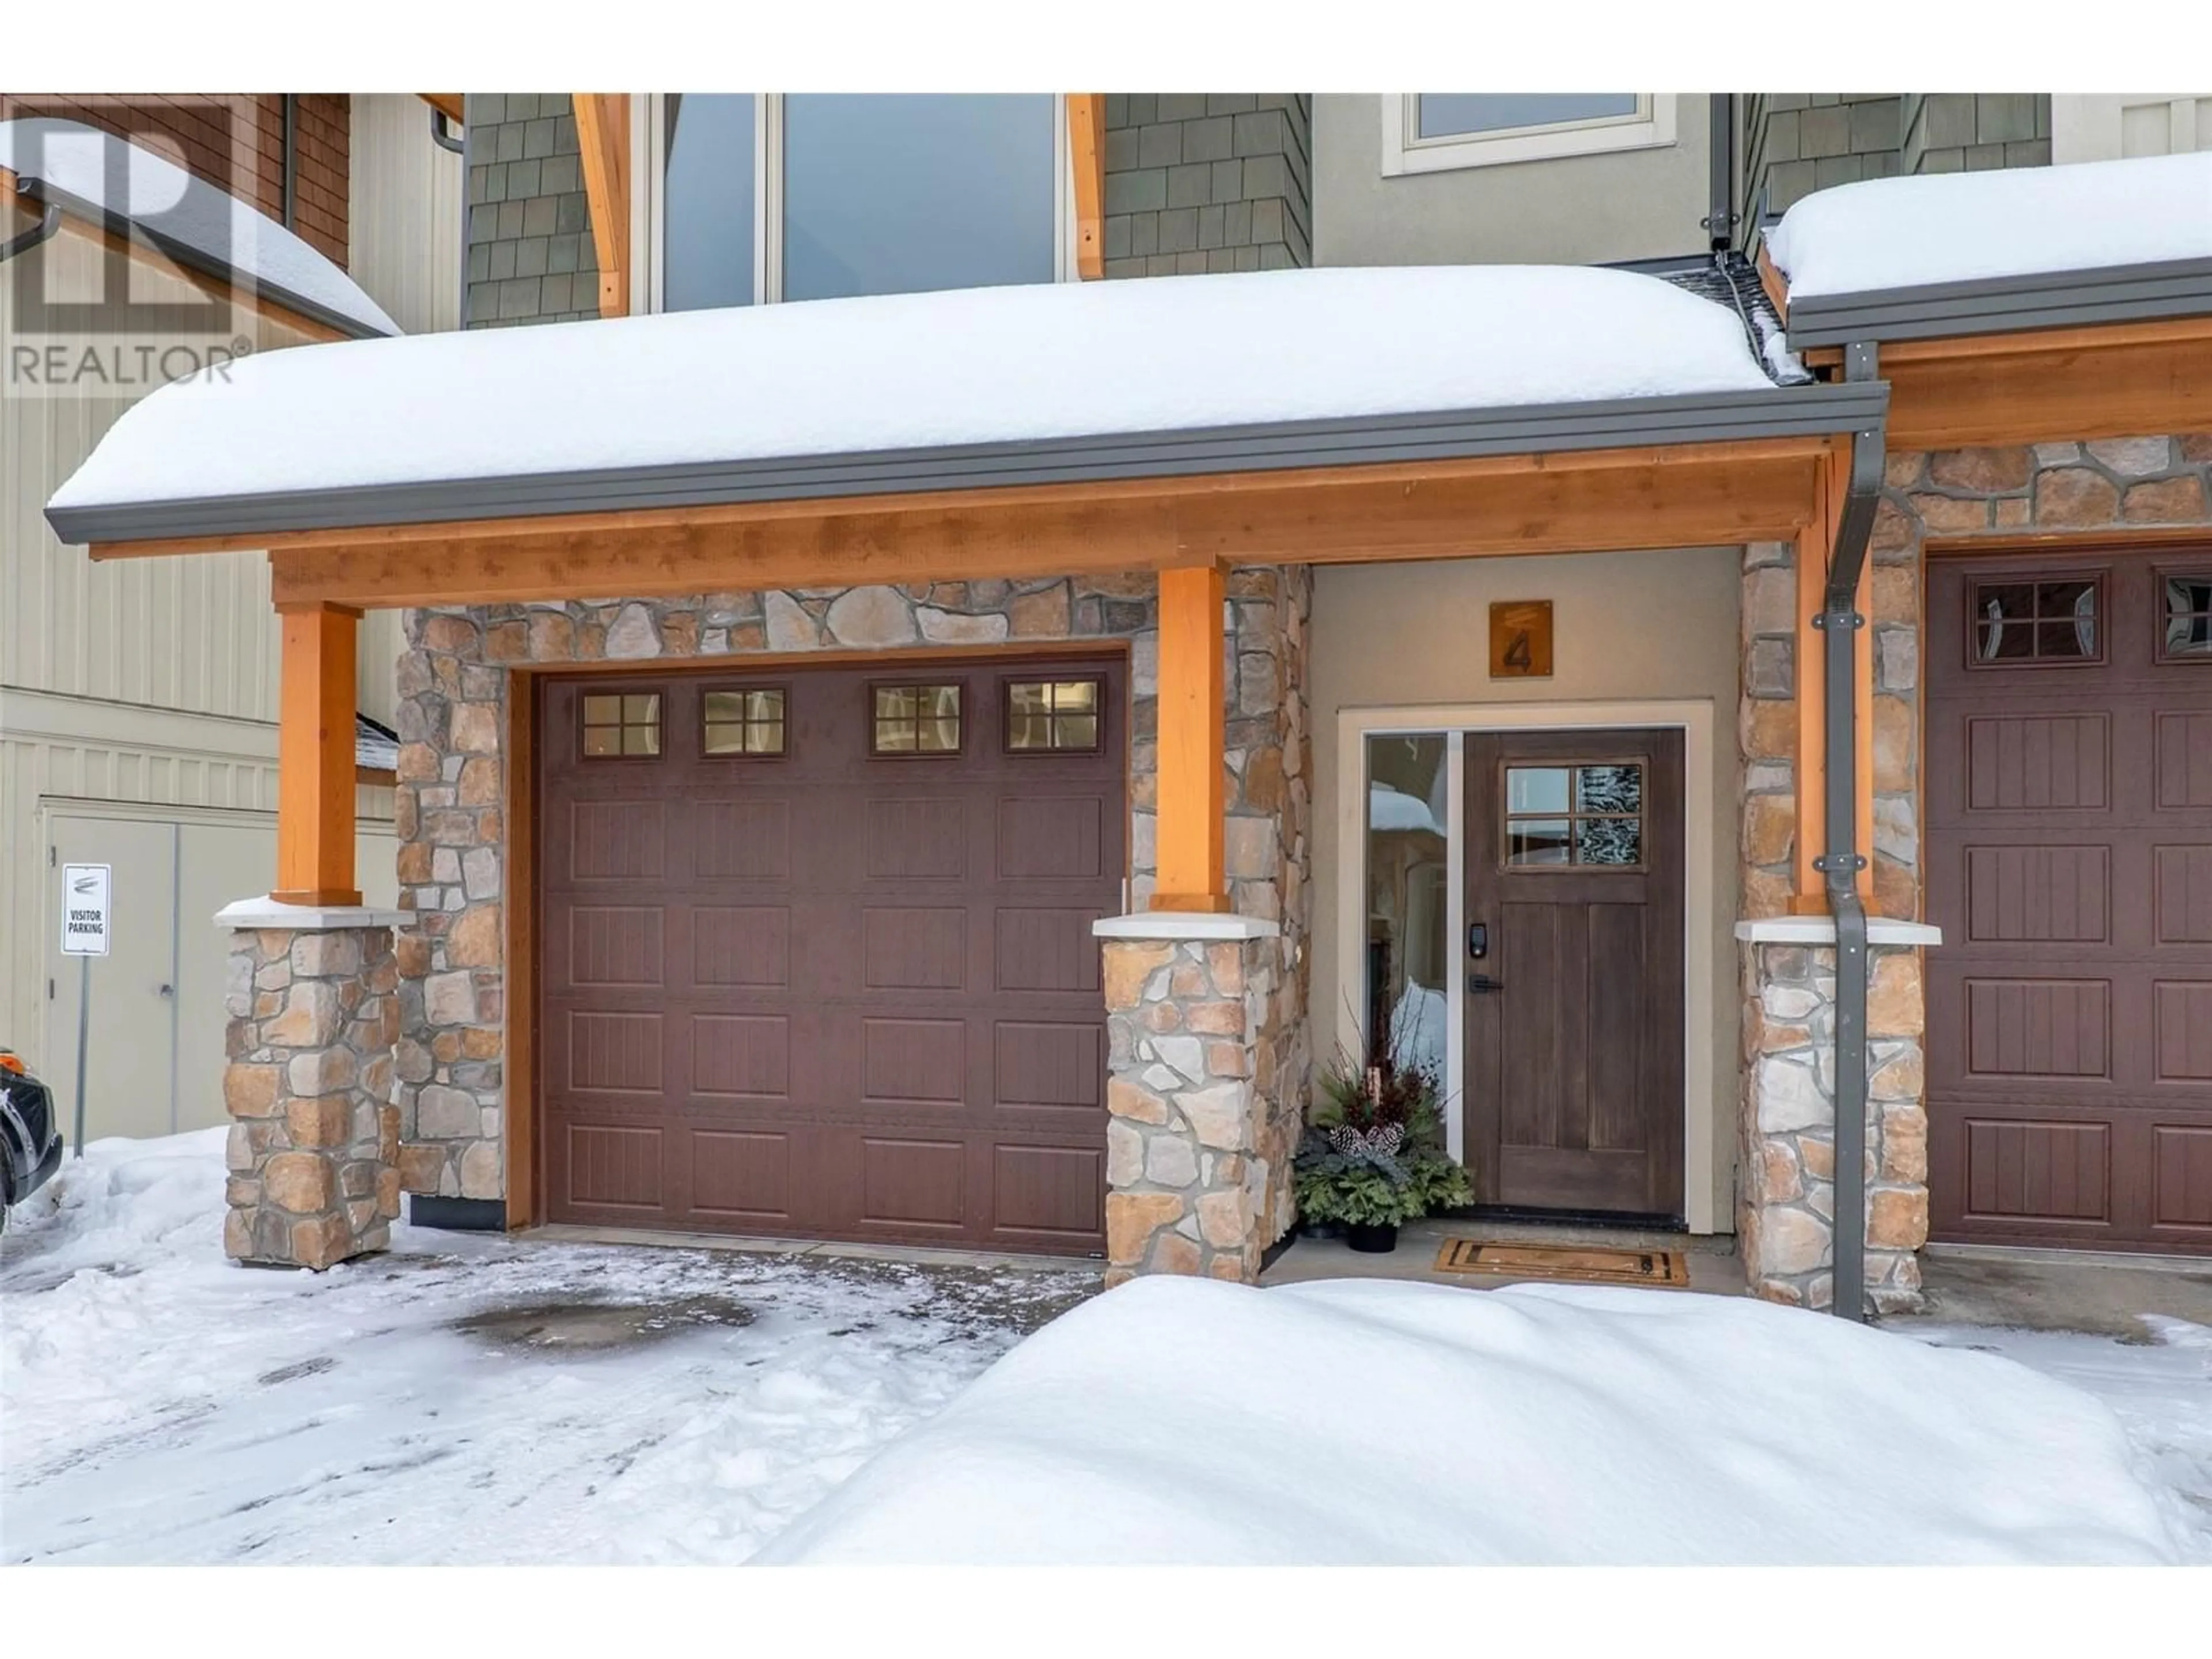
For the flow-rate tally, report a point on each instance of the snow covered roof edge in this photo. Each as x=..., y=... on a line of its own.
x=1999, y=252
x=195, y=223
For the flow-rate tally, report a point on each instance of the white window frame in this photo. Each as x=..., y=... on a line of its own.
x=1651, y=126
x=650, y=227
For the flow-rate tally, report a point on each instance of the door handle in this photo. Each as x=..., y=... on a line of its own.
x=1483, y=982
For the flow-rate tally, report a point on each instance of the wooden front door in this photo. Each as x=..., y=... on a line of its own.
x=1572, y=968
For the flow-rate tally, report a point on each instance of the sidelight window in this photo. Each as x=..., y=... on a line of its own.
x=1587, y=815
x=2186, y=635
x=1043, y=715
x=745, y=722
x=915, y=720
x=625, y=723
x=1408, y=949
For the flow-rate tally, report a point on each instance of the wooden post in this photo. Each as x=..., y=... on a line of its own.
x=603, y=139
x=314, y=757
x=1086, y=143
x=1816, y=545
x=1191, y=874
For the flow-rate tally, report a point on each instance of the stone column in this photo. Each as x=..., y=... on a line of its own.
x=1787, y=1212
x=1197, y=1144
x=315, y=1141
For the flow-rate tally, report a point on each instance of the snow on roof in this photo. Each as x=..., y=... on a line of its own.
x=1538, y=1425
x=917, y=371
x=98, y=176
x=2021, y=221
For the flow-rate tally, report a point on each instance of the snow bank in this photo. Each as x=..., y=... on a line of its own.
x=75, y=162
x=2018, y=222
x=1373, y=1422
x=972, y=366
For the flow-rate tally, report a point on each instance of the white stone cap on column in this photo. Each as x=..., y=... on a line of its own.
x=1183, y=925
x=1822, y=930
x=266, y=912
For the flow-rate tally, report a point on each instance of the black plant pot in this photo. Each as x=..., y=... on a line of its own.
x=1371, y=1239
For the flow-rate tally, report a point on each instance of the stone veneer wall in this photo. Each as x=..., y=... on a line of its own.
x=2096, y=490
x=313, y=1136
x=451, y=793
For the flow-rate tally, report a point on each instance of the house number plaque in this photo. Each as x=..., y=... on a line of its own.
x=1521, y=638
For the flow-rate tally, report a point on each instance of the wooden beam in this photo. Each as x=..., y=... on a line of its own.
x=314, y=757
x=1570, y=510
x=1737, y=456
x=1777, y=290
x=1191, y=872
x=2053, y=390
x=603, y=136
x=519, y=1050
x=452, y=106
x=1086, y=149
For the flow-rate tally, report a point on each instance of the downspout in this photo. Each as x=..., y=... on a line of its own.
x=441, y=133
x=23, y=241
x=291, y=160
x=1720, y=178
x=1840, y=622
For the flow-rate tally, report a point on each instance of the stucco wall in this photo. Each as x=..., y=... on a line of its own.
x=1627, y=626
x=1629, y=205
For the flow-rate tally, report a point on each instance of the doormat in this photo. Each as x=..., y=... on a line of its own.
x=1587, y=1264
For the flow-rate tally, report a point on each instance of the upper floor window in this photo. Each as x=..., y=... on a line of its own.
x=821, y=196
x=1438, y=132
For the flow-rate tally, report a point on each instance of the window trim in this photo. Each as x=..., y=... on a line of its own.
x=1406, y=152
x=918, y=753
x=651, y=295
x=1097, y=744
x=743, y=688
x=2161, y=576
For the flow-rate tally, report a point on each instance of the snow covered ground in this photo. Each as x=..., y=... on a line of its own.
x=159, y=1405
x=447, y=1403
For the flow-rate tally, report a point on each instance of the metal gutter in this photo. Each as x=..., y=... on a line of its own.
x=1538, y=429
x=1838, y=622
x=2004, y=304
x=291, y=160
x=193, y=258
x=23, y=241
x=442, y=132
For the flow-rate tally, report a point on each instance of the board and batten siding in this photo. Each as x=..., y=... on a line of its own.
x=406, y=213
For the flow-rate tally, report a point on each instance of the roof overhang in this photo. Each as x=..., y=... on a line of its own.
x=142, y=240
x=2006, y=304
x=1286, y=447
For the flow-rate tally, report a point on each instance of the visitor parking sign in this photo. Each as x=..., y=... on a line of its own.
x=86, y=909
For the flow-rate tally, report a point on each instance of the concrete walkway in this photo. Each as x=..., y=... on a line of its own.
x=1715, y=1267
x=2101, y=1293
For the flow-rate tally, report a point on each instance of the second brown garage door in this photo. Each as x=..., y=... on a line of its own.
x=2069, y=840
x=816, y=958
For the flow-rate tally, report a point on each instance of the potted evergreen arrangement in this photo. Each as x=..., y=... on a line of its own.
x=1373, y=1154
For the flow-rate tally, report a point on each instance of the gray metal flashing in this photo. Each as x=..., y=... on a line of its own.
x=1538, y=429
x=2005, y=304
x=193, y=258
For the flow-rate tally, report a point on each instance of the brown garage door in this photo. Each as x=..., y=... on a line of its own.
x=2070, y=802
x=816, y=957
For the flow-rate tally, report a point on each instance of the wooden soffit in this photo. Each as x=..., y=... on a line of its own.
x=1690, y=495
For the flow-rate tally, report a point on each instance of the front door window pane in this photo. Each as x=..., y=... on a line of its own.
x=708, y=243
x=1450, y=114
x=1601, y=824
x=1408, y=958
x=900, y=194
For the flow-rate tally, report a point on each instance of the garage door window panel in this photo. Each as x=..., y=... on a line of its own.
x=751, y=724
x=2185, y=634
x=914, y=721
x=1054, y=716
x=620, y=725
x=2018, y=624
